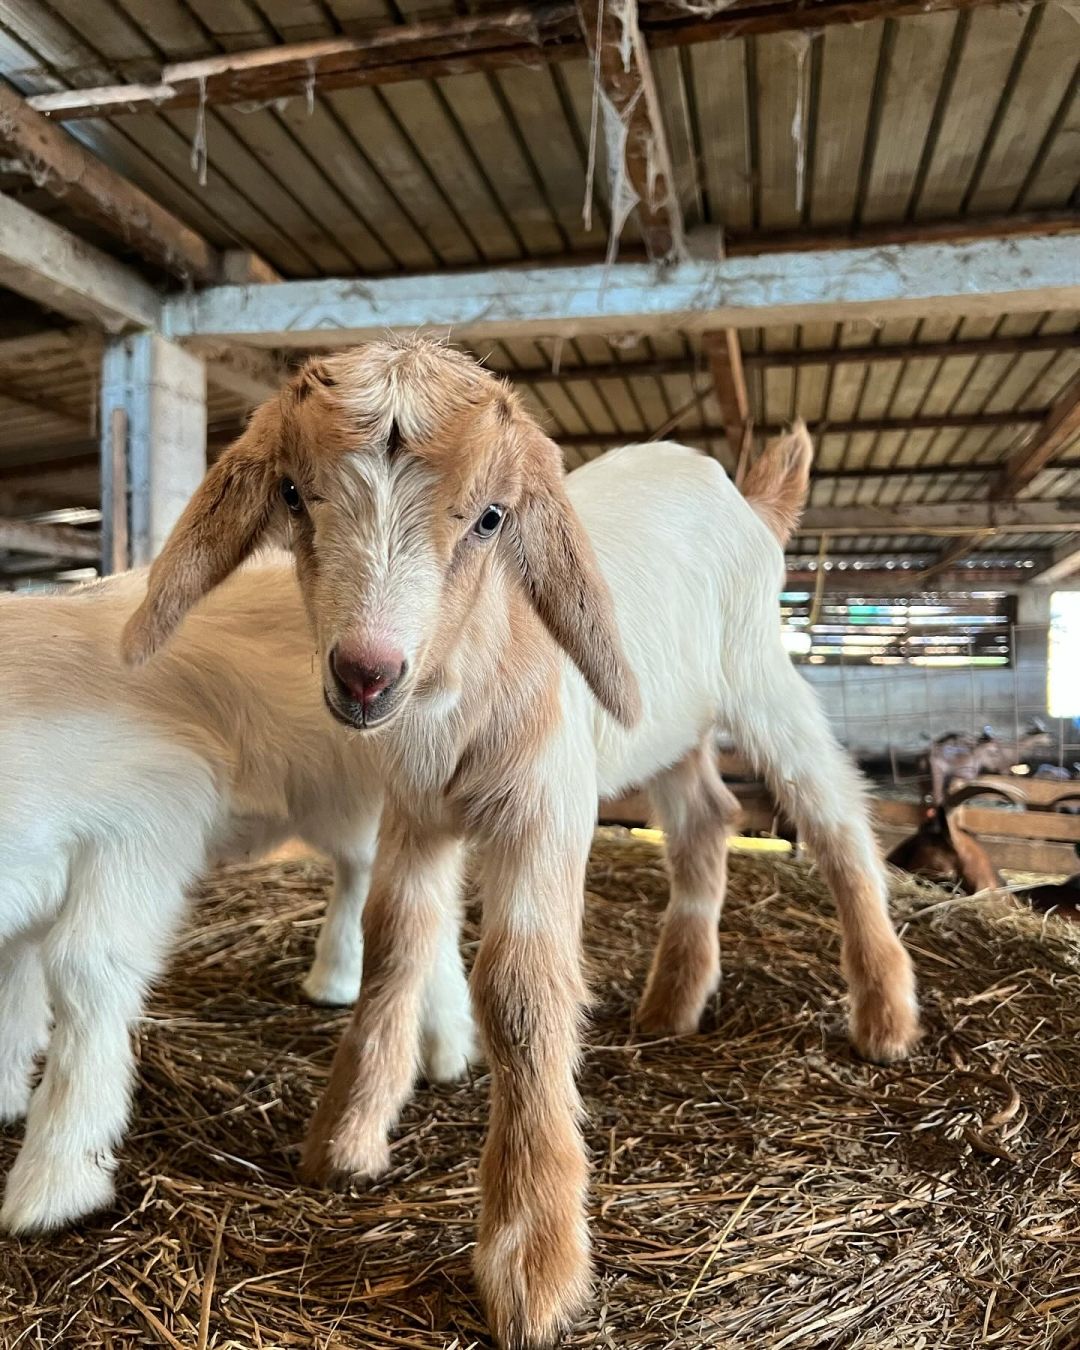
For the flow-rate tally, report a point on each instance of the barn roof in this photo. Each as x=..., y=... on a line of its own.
x=472, y=138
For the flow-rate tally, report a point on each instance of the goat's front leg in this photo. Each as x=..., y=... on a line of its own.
x=334, y=977
x=122, y=907
x=24, y=1021
x=532, y=1255
x=417, y=879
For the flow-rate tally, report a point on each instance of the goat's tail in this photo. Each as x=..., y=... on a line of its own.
x=777, y=484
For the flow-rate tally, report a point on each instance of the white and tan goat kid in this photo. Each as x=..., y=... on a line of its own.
x=449, y=578
x=119, y=788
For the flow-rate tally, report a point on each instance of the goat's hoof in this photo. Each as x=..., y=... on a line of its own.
x=350, y=1155
x=447, y=1058
x=14, y=1098
x=673, y=1008
x=533, y=1287
x=660, y=1019
x=331, y=988
x=885, y=1033
x=44, y=1193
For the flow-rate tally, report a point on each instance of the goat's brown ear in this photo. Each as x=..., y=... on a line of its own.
x=218, y=528
x=564, y=584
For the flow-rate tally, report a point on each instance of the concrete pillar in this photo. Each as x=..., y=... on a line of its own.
x=153, y=443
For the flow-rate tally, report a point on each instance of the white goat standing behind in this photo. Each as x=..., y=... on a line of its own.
x=120, y=787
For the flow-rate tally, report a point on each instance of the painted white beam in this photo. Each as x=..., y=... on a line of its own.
x=58, y=270
x=153, y=443
x=963, y=518
x=984, y=277
x=1064, y=564
x=49, y=541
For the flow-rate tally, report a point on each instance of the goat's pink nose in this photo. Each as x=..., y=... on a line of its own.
x=364, y=672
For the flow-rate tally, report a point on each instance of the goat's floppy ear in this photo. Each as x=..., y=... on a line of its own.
x=218, y=528
x=564, y=584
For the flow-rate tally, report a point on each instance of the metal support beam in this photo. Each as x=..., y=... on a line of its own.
x=919, y=280
x=49, y=541
x=153, y=446
x=55, y=268
x=1060, y=426
x=632, y=118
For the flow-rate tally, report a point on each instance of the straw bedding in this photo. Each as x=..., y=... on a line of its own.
x=755, y=1185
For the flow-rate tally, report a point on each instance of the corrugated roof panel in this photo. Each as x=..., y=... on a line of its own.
x=918, y=54
x=991, y=39
x=721, y=102
x=849, y=61
x=1043, y=80
x=558, y=120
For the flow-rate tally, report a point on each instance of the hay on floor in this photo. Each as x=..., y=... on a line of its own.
x=755, y=1185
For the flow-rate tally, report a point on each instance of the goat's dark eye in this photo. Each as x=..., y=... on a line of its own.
x=290, y=495
x=489, y=522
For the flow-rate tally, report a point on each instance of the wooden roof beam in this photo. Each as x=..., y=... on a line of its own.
x=810, y=356
x=873, y=426
x=905, y=581
x=959, y=549
x=723, y=350
x=943, y=518
x=1063, y=565
x=527, y=34
x=61, y=272
x=631, y=107
x=250, y=374
x=50, y=541
x=1060, y=425
x=68, y=171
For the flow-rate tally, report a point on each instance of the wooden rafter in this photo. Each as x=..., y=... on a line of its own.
x=1063, y=564
x=72, y=458
x=60, y=271
x=723, y=351
x=1058, y=427
x=528, y=34
x=901, y=581
x=956, y=551
x=951, y=230
x=944, y=518
x=627, y=89
x=812, y=356
x=91, y=189
x=50, y=541
x=874, y=426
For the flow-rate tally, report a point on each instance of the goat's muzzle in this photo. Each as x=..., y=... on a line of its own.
x=366, y=685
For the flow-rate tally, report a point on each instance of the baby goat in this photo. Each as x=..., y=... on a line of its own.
x=449, y=576
x=120, y=787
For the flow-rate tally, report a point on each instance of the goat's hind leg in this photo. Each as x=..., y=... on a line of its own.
x=777, y=720
x=697, y=813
